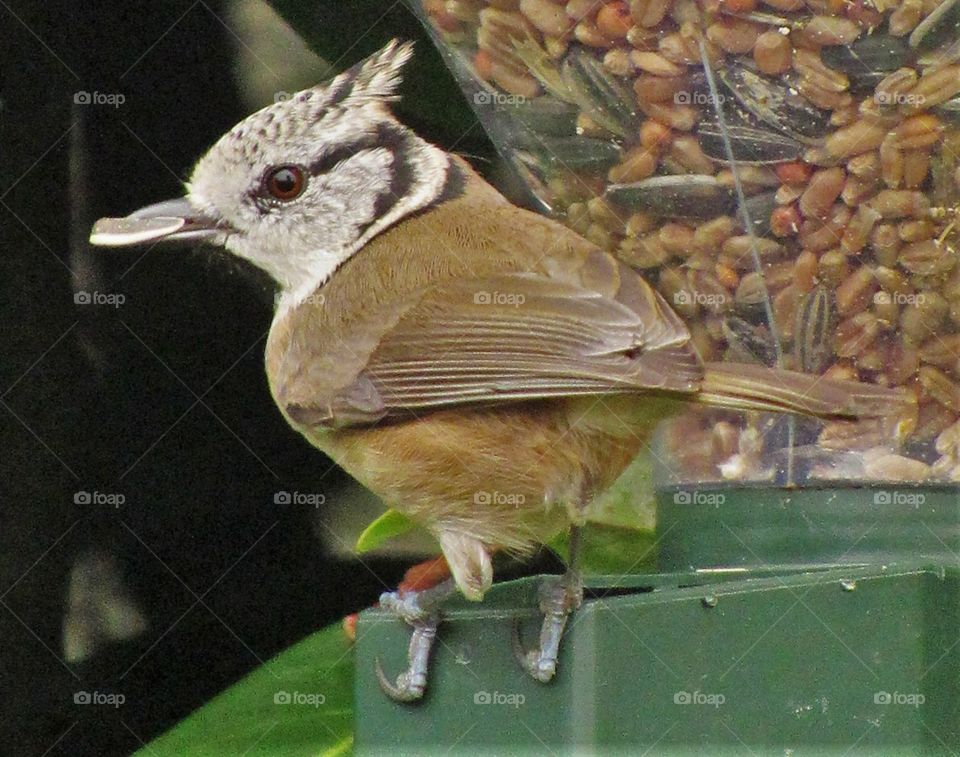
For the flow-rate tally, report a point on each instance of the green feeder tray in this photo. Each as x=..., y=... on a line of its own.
x=822, y=621
x=748, y=527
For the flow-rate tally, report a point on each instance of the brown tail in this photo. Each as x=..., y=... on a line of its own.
x=757, y=387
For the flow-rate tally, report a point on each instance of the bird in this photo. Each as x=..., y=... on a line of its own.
x=440, y=343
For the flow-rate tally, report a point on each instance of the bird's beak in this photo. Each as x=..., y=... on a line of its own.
x=171, y=220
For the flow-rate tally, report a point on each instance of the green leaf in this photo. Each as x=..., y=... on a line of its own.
x=612, y=550
x=629, y=503
x=391, y=523
x=619, y=534
x=298, y=704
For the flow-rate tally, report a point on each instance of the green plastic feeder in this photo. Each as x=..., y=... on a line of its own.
x=821, y=621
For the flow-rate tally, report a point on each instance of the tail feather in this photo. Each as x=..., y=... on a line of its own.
x=758, y=387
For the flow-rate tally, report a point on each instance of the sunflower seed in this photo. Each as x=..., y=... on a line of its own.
x=867, y=61
x=941, y=25
x=945, y=54
x=749, y=343
x=759, y=208
x=608, y=100
x=544, y=116
x=575, y=153
x=775, y=103
x=691, y=196
x=814, y=330
x=748, y=144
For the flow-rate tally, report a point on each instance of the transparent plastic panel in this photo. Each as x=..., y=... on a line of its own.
x=785, y=173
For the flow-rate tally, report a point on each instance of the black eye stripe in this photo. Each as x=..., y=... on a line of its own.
x=386, y=136
x=329, y=161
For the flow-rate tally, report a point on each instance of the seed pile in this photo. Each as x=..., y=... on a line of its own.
x=643, y=124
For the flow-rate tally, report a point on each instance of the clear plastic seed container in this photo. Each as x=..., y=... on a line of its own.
x=784, y=172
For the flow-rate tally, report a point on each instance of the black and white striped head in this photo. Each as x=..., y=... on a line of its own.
x=307, y=181
x=301, y=185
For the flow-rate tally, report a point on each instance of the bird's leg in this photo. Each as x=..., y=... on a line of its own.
x=424, y=575
x=420, y=609
x=559, y=596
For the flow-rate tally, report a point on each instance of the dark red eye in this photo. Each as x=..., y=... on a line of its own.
x=286, y=183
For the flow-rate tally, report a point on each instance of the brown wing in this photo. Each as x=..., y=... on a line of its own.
x=504, y=338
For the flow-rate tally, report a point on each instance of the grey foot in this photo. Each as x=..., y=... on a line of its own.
x=419, y=610
x=559, y=597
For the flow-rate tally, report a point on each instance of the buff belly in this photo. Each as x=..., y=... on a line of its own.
x=510, y=476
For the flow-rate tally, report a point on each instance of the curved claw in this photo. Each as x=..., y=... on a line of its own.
x=419, y=610
x=537, y=665
x=408, y=688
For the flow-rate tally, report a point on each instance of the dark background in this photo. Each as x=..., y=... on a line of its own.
x=164, y=399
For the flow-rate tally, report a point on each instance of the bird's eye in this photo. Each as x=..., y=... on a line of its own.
x=286, y=183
